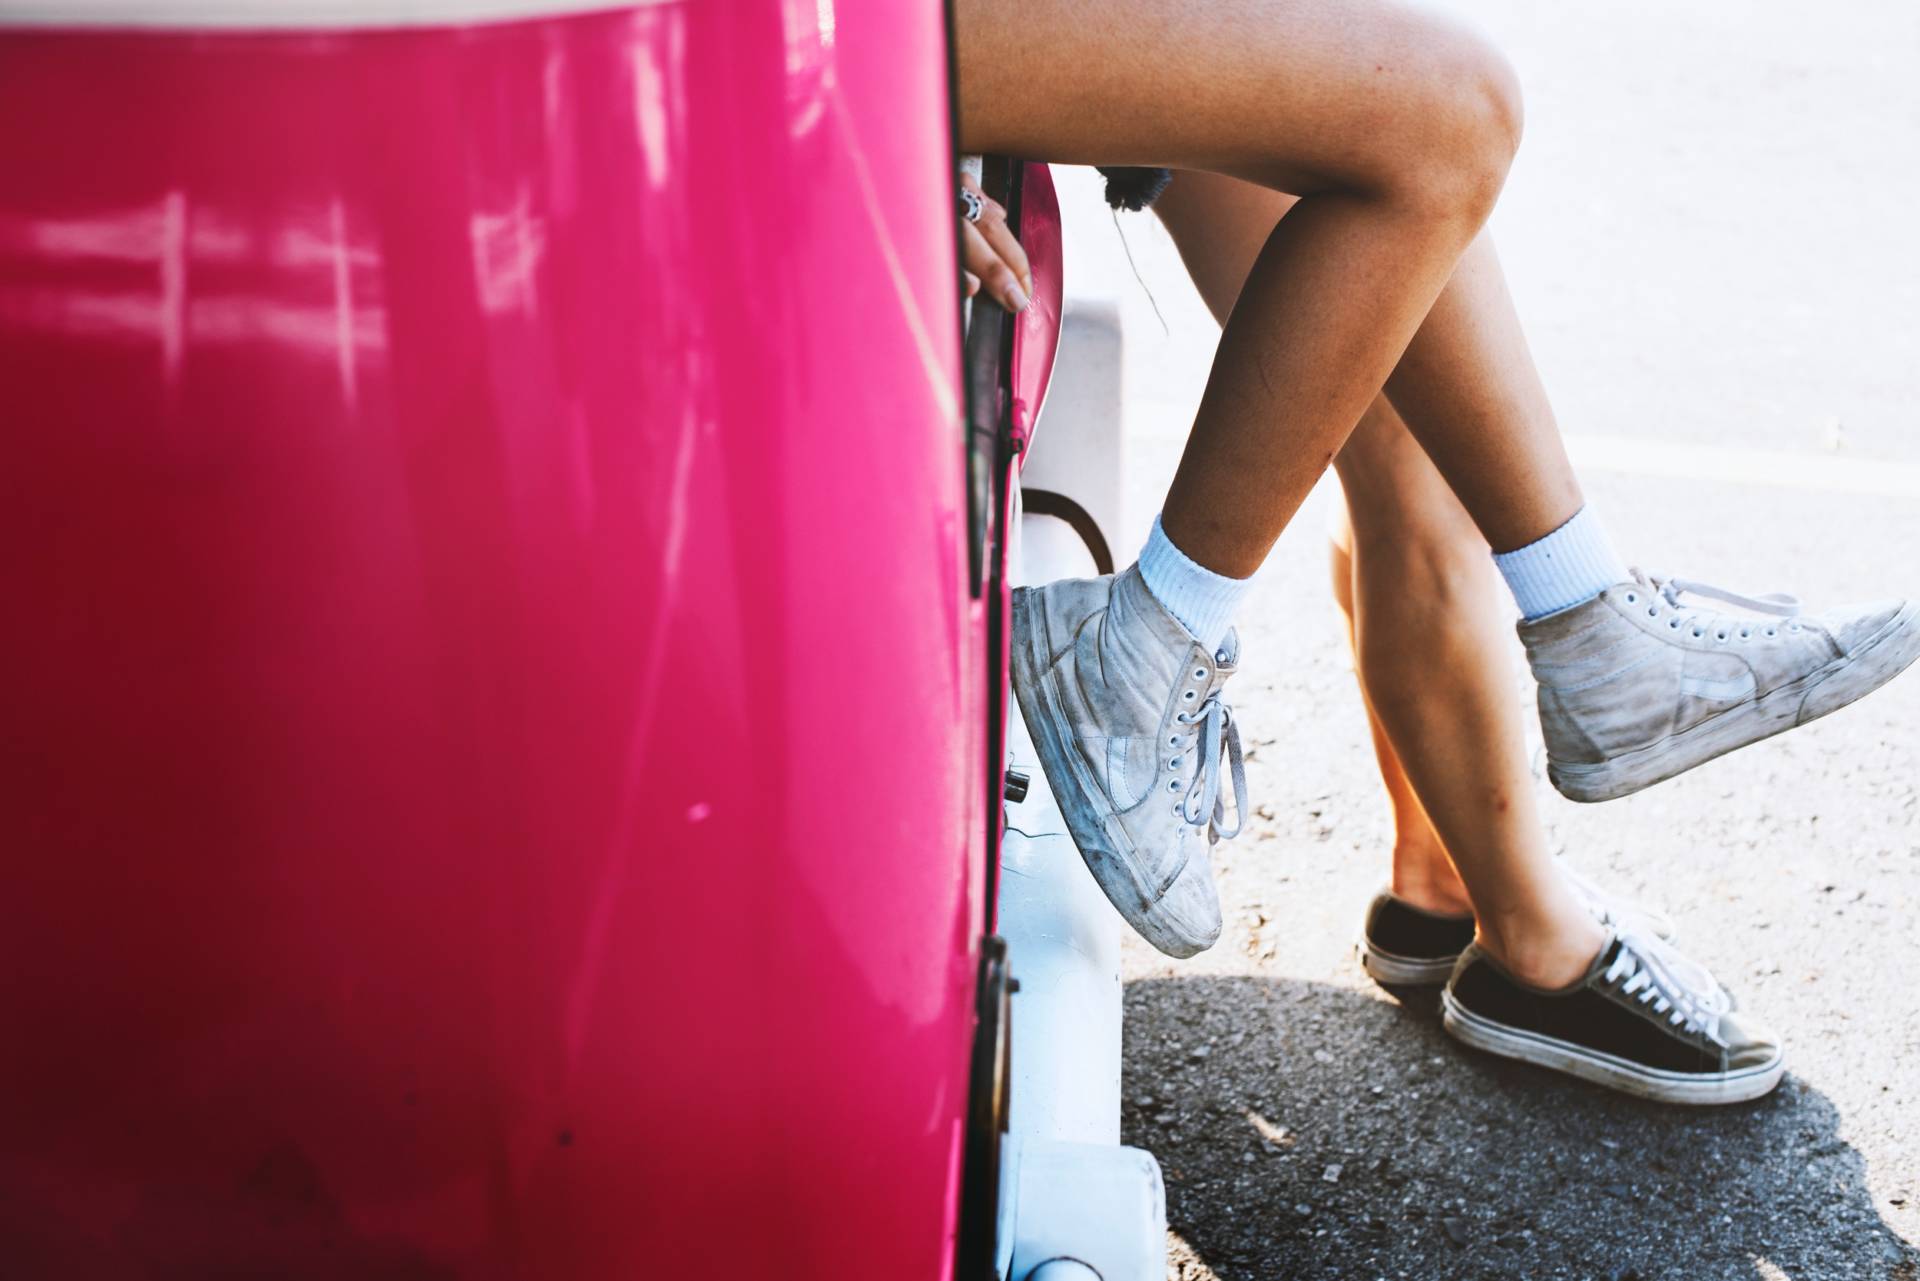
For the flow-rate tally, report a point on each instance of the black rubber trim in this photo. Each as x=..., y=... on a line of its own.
x=987, y=373
x=987, y=1098
x=991, y=454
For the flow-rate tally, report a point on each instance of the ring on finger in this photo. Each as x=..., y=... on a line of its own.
x=971, y=205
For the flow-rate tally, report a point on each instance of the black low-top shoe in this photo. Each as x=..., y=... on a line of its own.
x=1633, y=1024
x=1406, y=946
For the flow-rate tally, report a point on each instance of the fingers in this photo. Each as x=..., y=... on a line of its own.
x=992, y=257
x=999, y=237
x=996, y=277
x=972, y=281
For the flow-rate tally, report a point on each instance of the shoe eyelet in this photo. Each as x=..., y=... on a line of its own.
x=1698, y=632
x=1173, y=762
x=1719, y=636
x=1199, y=673
x=1653, y=611
x=1632, y=599
x=1188, y=696
x=1674, y=624
x=1771, y=632
x=1173, y=741
x=1173, y=785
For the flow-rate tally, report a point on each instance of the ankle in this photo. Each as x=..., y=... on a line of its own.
x=1543, y=952
x=1424, y=877
x=1203, y=601
x=1574, y=563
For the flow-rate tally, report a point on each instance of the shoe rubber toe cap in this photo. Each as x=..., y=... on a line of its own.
x=1186, y=919
x=1750, y=1043
x=1857, y=627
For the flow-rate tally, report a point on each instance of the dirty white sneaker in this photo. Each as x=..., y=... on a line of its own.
x=1638, y=684
x=1124, y=707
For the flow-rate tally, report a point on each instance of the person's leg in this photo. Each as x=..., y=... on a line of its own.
x=1420, y=871
x=1430, y=638
x=1430, y=642
x=1395, y=129
x=1466, y=381
x=1545, y=978
x=1623, y=664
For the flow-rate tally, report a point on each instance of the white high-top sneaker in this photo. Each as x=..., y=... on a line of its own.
x=1637, y=685
x=1124, y=707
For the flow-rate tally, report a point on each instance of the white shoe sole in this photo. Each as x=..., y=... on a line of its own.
x=1689, y=1088
x=1403, y=971
x=1072, y=785
x=1817, y=694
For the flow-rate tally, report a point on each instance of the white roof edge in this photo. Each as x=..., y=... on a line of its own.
x=290, y=15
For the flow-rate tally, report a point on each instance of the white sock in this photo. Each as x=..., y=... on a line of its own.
x=1202, y=600
x=1574, y=563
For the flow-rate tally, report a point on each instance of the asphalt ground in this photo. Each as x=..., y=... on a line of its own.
x=1711, y=234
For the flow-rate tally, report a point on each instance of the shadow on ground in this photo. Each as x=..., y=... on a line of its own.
x=1308, y=1130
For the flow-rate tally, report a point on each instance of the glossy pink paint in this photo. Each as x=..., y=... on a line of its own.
x=493, y=717
x=1036, y=334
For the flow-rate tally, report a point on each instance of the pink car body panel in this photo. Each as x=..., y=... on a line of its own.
x=494, y=717
x=1036, y=334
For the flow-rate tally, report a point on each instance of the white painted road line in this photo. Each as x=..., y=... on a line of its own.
x=1638, y=456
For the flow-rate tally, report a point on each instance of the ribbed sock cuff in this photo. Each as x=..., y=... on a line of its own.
x=1203, y=601
x=1574, y=563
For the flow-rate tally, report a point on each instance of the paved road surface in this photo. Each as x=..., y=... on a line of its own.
x=1710, y=231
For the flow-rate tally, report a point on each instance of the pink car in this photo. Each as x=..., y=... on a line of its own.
x=502, y=748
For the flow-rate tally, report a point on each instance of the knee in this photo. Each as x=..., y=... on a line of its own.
x=1458, y=127
x=1434, y=575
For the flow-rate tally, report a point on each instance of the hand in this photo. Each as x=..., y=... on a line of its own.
x=991, y=256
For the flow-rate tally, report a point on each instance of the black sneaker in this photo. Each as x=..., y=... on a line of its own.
x=1406, y=946
x=1632, y=1024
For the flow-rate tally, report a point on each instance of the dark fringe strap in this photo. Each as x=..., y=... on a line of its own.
x=1135, y=189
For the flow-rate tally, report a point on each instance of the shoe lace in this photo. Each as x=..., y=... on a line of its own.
x=1611, y=910
x=1658, y=977
x=1670, y=589
x=1219, y=739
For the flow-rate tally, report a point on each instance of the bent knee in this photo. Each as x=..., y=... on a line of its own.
x=1474, y=109
x=1454, y=125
